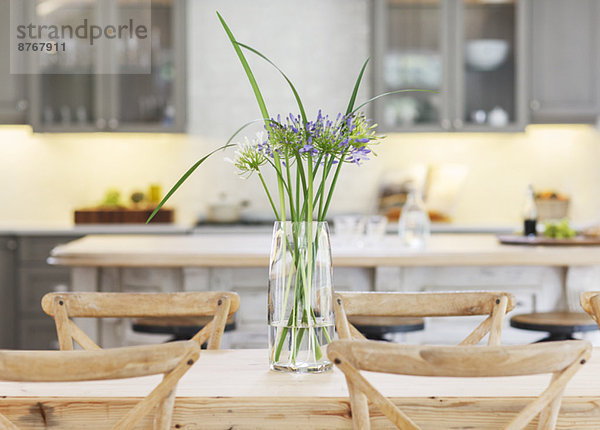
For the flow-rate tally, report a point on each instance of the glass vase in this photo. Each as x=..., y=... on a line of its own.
x=300, y=309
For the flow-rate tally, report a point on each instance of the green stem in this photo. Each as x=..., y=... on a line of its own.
x=320, y=193
x=289, y=185
x=300, y=168
x=333, y=183
x=297, y=193
x=280, y=186
x=268, y=195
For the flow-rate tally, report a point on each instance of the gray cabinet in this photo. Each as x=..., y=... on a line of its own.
x=565, y=38
x=110, y=89
x=472, y=54
x=35, y=278
x=13, y=96
x=8, y=317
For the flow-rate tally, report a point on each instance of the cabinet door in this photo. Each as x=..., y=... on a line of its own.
x=66, y=83
x=124, y=83
x=411, y=52
x=152, y=101
x=490, y=73
x=565, y=60
x=8, y=318
x=13, y=100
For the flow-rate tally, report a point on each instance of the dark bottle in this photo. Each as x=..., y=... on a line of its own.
x=530, y=213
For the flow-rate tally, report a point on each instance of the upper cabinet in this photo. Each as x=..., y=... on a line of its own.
x=14, y=103
x=109, y=88
x=411, y=51
x=470, y=52
x=564, y=83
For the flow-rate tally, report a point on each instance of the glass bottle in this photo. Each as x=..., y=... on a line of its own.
x=530, y=213
x=414, y=225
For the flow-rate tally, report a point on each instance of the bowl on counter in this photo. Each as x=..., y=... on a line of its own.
x=486, y=54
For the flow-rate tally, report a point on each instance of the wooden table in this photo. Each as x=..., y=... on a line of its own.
x=252, y=250
x=234, y=389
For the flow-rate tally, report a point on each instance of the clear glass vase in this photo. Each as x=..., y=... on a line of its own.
x=300, y=309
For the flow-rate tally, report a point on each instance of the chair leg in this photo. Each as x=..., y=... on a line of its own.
x=6, y=424
x=549, y=414
x=360, y=408
x=164, y=412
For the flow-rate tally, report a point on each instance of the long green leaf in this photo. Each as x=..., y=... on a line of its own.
x=195, y=166
x=249, y=74
x=261, y=105
x=356, y=86
x=297, y=97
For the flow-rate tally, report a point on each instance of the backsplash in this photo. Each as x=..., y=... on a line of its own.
x=43, y=177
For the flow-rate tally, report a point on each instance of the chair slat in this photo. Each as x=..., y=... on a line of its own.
x=590, y=302
x=462, y=361
x=48, y=366
x=119, y=305
x=424, y=304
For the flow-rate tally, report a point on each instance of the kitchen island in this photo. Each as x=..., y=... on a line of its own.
x=542, y=278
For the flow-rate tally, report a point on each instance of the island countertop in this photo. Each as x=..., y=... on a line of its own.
x=252, y=250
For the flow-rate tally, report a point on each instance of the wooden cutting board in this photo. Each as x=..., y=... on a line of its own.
x=513, y=239
x=122, y=216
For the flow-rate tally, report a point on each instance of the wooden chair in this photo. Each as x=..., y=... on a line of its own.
x=173, y=360
x=590, y=302
x=64, y=306
x=562, y=359
x=491, y=303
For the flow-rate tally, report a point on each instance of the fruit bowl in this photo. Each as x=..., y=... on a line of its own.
x=486, y=54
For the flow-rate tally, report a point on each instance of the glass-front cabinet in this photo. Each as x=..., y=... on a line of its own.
x=120, y=86
x=409, y=53
x=471, y=53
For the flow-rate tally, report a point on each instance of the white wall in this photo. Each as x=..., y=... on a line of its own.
x=43, y=177
x=320, y=45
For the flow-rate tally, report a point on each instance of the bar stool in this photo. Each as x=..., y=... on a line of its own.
x=178, y=328
x=376, y=328
x=558, y=325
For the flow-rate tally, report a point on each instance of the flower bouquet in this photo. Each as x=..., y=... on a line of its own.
x=306, y=156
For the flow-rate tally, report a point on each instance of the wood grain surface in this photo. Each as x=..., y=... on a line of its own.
x=251, y=250
x=234, y=389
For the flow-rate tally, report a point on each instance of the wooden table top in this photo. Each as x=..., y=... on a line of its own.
x=245, y=373
x=252, y=250
x=235, y=388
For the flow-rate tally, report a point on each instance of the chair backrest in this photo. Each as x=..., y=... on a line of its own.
x=64, y=306
x=494, y=304
x=562, y=359
x=590, y=302
x=172, y=360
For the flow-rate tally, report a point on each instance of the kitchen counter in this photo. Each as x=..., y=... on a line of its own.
x=39, y=229
x=538, y=276
x=18, y=229
x=252, y=250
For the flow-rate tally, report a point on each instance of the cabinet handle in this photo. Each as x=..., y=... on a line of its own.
x=22, y=105
x=60, y=288
x=101, y=123
x=11, y=245
x=458, y=123
x=446, y=124
x=113, y=123
x=535, y=105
